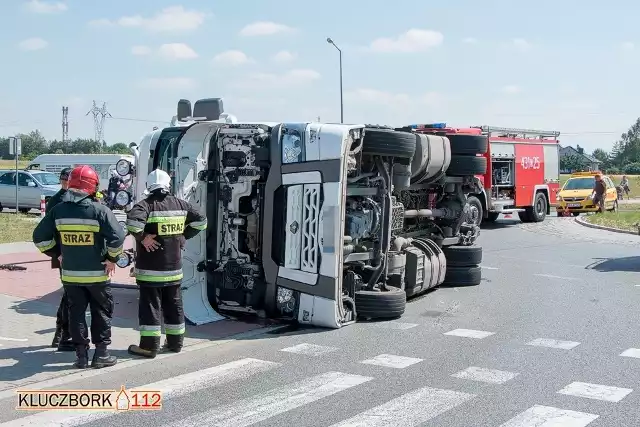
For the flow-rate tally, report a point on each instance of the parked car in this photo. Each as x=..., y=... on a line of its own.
x=574, y=197
x=31, y=185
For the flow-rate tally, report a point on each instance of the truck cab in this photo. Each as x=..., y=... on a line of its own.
x=318, y=223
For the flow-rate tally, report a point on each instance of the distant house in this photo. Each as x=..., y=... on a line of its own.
x=590, y=163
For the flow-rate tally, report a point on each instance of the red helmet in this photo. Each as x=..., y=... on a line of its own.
x=85, y=179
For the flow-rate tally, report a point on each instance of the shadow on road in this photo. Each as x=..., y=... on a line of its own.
x=499, y=224
x=607, y=265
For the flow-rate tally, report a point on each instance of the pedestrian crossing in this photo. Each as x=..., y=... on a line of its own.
x=411, y=407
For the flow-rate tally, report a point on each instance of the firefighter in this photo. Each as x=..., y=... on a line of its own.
x=90, y=242
x=62, y=338
x=160, y=224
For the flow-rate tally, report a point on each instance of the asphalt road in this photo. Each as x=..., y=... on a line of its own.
x=539, y=343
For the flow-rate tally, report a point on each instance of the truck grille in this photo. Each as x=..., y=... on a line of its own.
x=310, y=218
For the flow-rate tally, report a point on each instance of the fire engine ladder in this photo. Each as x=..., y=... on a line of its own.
x=517, y=133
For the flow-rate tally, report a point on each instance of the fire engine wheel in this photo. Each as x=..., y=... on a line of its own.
x=475, y=210
x=387, y=142
x=463, y=256
x=537, y=212
x=492, y=216
x=468, y=144
x=380, y=304
x=467, y=165
x=462, y=276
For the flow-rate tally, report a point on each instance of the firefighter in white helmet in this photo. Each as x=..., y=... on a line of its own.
x=160, y=223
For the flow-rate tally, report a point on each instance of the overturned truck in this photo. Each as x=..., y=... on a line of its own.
x=313, y=222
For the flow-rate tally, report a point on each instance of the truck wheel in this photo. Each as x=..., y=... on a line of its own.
x=381, y=304
x=463, y=276
x=468, y=144
x=537, y=212
x=463, y=256
x=467, y=166
x=386, y=142
x=475, y=211
x=492, y=216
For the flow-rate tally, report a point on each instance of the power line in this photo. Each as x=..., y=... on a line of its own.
x=138, y=120
x=99, y=116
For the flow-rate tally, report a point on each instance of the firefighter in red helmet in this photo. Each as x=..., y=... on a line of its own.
x=89, y=239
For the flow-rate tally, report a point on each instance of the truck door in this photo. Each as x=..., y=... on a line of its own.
x=529, y=172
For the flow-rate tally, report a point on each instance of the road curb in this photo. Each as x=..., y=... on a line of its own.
x=602, y=227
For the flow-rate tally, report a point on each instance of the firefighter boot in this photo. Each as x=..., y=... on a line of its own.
x=57, y=337
x=148, y=347
x=82, y=357
x=173, y=343
x=65, y=343
x=102, y=358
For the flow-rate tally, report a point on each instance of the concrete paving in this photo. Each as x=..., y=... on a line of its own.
x=550, y=338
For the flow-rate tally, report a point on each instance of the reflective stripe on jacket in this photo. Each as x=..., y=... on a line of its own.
x=85, y=233
x=171, y=221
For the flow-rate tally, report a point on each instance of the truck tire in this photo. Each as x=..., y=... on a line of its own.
x=463, y=276
x=387, y=142
x=388, y=304
x=463, y=256
x=467, y=166
x=492, y=216
x=537, y=212
x=475, y=211
x=468, y=144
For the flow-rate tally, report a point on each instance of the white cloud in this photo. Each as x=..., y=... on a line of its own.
x=140, y=50
x=296, y=77
x=232, y=58
x=170, y=19
x=412, y=41
x=521, y=44
x=391, y=99
x=169, y=83
x=470, y=40
x=511, y=89
x=265, y=28
x=283, y=56
x=177, y=51
x=34, y=43
x=37, y=6
x=628, y=46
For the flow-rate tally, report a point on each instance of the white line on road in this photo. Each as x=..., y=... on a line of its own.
x=171, y=387
x=13, y=339
x=396, y=325
x=488, y=268
x=552, y=276
x=491, y=376
x=253, y=410
x=552, y=343
x=469, y=333
x=309, y=349
x=547, y=416
x=596, y=391
x=409, y=410
x=632, y=352
x=392, y=361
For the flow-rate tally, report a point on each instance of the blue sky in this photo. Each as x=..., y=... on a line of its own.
x=555, y=65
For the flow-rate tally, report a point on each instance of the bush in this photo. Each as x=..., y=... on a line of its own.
x=632, y=169
x=614, y=171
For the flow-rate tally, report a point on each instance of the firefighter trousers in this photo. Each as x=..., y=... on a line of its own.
x=158, y=304
x=62, y=316
x=100, y=302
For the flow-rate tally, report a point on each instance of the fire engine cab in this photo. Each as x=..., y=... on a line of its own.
x=522, y=174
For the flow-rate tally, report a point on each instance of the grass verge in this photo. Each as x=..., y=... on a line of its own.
x=11, y=164
x=626, y=218
x=16, y=228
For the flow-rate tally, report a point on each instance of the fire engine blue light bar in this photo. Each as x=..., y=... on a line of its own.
x=430, y=126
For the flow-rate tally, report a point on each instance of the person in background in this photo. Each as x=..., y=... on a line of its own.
x=114, y=186
x=624, y=183
x=599, y=191
x=62, y=338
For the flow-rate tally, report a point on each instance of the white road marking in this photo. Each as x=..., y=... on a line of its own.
x=548, y=416
x=551, y=276
x=488, y=268
x=469, y=333
x=552, y=343
x=171, y=387
x=491, y=376
x=392, y=361
x=396, y=325
x=256, y=409
x=632, y=352
x=596, y=391
x=309, y=349
x=87, y=373
x=409, y=410
x=13, y=339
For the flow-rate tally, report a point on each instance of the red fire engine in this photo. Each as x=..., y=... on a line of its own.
x=522, y=174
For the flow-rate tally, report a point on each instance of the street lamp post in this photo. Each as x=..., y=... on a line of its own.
x=341, y=103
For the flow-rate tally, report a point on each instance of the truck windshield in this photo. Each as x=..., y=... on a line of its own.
x=580, y=184
x=166, y=151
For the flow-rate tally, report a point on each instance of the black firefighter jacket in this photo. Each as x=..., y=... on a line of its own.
x=171, y=220
x=85, y=233
x=53, y=201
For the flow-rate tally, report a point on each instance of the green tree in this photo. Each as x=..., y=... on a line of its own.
x=572, y=163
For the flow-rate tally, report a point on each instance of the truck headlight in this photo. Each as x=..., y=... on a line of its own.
x=123, y=198
x=123, y=167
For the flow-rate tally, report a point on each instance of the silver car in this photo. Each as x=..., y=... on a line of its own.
x=32, y=185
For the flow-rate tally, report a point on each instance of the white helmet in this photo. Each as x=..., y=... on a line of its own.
x=158, y=179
